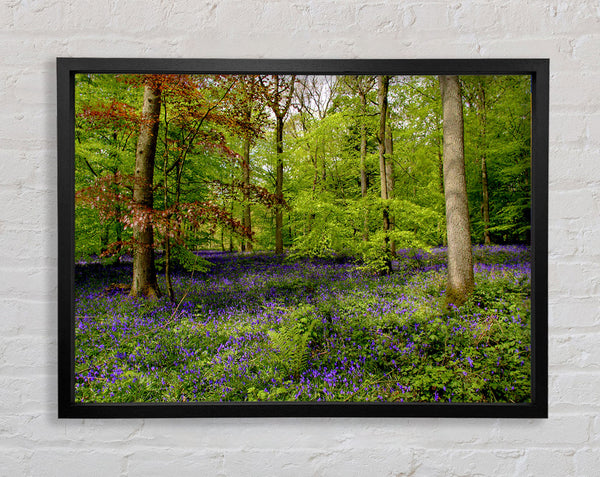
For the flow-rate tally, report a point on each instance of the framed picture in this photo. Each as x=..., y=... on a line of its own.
x=339, y=238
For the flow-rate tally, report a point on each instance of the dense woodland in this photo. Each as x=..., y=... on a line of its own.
x=338, y=183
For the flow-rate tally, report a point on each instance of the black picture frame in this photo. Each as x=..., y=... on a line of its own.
x=538, y=69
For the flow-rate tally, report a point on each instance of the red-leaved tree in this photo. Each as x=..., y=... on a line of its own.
x=183, y=118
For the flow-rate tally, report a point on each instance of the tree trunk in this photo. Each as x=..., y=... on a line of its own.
x=389, y=176
x=363, y=156
x=246, y=215
x=315, y=162
x=485, y=197
x=231, y=245
x=144, y=270
x=168, y=281
x=279, y=186
x=382, y=92
x=460, y=256
x=167, y=241
x=389, y=163
x=485, y=204
x=281, y=94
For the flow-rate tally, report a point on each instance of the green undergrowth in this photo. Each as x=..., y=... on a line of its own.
x=359, y=337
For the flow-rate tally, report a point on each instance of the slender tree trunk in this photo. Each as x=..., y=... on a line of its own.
x=315, y=162
x=485, y=205
x=167, y=241
x=144, y=271
x=485, y=197
x=389, y=177
x=246, y=214
x=460, y=256
x=169, y=283
x=382, y=92
x=231, y=245
x=119, y=232
x=282, y=92
x=179, y=172
x=389, y=163
x=363, y=156
x=279, y=186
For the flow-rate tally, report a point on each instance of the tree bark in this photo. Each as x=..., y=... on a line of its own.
x=232, y=206
x=382, y=91
x=167, y=241
x=363, y=156
x=389, y=177
x=279, y=186
x=382, y=98
x=144, y=270
x=246, y=214
x=485, y=204
x=485, y=197
x=282, y=92
x=460, y=257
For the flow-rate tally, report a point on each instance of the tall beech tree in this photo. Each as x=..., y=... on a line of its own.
x=362, y=86
x=249, y=100
x=389, y=176
x=460, y=256
x=280, y=91
x=385, y=166
x=144, y=270
x=246, y=214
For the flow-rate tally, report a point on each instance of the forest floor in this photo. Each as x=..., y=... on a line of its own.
x=257, y=327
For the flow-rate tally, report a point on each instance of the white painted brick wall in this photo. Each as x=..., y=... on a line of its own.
x=34, y=32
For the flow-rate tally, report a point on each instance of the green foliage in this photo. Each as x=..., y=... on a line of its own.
x=395, y=325
x=497, y=294
x=364, y=337
x=190, y=261
x=318, y=243
x=415, y=226
x=292, y=338
x=375, y=254
x=497, y=128
x=328, y=227
x=329, y=215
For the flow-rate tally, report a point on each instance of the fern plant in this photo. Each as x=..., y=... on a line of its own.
x=293, y=338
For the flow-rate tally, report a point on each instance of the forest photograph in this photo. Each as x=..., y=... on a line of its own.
x=302, y=238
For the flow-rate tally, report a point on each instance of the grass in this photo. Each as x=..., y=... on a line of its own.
x=257, y=327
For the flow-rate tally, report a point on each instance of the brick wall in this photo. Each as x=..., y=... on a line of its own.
x=33, y=33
